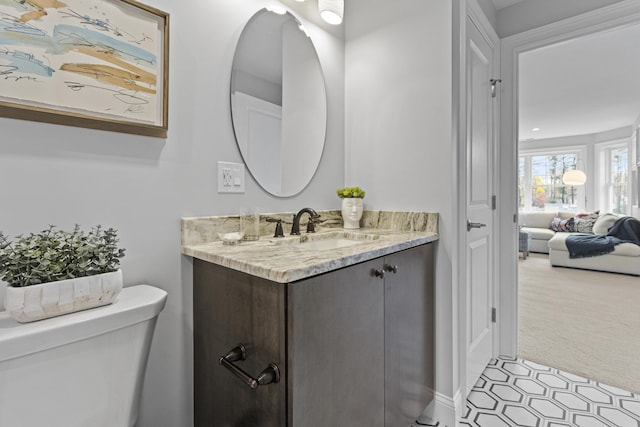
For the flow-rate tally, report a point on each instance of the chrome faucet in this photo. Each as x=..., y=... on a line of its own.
x=295, y=228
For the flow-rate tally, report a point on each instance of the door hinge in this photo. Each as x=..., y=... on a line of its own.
x=494, y=202
x=493, y=315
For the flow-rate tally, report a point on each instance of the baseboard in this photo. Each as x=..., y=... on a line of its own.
x=446, y=410
x=459, y=405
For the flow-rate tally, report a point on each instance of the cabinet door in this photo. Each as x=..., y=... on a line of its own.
x=336, y=349
x=409, y=335
x=230, y=307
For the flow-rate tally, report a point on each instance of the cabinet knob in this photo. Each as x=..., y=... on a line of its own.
x=379, y=273
x=391, y=268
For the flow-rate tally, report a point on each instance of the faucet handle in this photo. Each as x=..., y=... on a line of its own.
x=310, y=226
x=279, y=232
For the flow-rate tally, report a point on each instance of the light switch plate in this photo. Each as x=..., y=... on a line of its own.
x=230, y=177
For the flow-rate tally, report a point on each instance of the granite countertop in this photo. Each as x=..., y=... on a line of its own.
x=286, y=260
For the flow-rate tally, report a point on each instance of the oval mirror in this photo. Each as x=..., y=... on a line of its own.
x=278, y=103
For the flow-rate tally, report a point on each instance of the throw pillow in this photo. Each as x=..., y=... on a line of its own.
x=555, y=224
x=565, y=225
x=604, y=223
x=584, y=222
x=585, y=225
x=588, y=214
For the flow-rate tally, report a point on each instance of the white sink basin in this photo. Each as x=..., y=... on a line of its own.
x=333, y=240
x=333, y=243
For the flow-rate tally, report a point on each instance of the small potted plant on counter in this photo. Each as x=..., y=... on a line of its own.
x=56, y=272
x=352, y=206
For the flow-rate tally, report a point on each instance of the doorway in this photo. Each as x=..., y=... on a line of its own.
x=513, y=48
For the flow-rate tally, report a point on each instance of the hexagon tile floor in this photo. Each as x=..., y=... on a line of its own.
x=516, y=392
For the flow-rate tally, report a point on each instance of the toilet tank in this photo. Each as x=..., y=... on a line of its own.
x=83, y=369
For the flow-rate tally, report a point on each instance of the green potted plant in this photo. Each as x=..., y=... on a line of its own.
x=352, y=206
x=55, y=272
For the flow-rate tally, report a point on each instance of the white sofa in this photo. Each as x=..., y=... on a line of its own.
x=538, y=225
x=624, y=259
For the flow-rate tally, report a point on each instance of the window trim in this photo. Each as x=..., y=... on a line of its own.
x=581, y=159
x=602, y=152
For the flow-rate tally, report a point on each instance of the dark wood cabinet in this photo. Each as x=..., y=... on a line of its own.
x=353, y=348
x=409, y=331
x=336, y=342
x=229, y=308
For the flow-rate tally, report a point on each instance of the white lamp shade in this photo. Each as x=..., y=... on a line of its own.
x=574, y=177
x=331, y=11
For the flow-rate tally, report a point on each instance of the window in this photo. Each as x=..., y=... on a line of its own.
x=634, y=186
x=540, y=181
x=634, y=158
x=617, y=164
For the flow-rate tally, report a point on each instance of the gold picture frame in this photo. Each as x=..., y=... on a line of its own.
x=100, y=64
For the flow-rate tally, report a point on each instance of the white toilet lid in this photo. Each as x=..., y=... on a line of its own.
x=133, y=305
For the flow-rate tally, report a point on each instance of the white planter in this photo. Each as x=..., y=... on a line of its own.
x=352, y=209
x=29, y=303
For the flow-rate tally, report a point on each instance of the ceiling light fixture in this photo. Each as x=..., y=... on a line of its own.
x=331, y=11
x=535, y=129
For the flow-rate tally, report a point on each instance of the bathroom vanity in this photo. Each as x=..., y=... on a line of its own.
x=350, y=326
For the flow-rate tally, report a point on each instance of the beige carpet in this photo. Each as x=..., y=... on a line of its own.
x=586, y=323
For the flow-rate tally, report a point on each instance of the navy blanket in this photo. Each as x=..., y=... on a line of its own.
x=624, y=230
x=587, y=245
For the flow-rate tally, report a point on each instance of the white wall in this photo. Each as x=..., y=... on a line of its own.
x=142, y=186
x=489, y=11
x=303, y=102
x=399, y=127
x=531, y=14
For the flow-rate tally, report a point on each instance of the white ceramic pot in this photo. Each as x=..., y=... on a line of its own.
x=35, y=302
x=351, y=213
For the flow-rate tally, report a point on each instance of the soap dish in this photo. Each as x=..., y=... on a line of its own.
x=231, y=238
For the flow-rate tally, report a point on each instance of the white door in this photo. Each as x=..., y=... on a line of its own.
x=258, y=127
x=480, y=213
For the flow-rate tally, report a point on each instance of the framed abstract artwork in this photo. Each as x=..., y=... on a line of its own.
x=101, y=64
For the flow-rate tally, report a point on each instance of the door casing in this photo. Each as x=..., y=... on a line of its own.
x=619, y=14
